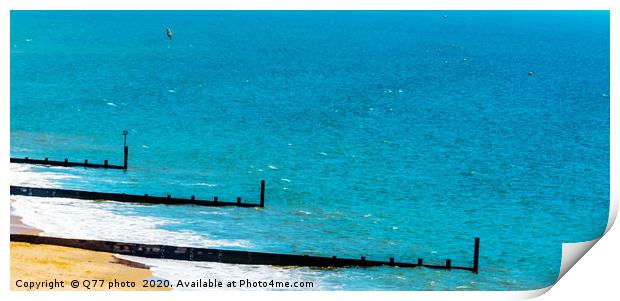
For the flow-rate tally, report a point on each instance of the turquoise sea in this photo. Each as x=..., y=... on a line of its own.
x=381, y=134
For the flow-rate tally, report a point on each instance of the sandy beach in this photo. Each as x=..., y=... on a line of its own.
x=32, y=263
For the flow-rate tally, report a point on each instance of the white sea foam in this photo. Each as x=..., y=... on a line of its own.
x=111, y=104
x=75, y=218
x=272, y=167
x=23, y=175
x=203, y=184
x=72, y=218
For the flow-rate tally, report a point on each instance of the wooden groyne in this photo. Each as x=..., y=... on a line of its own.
x=85, y=163
x=67, y=163
x=132, y=198
x=231, y=256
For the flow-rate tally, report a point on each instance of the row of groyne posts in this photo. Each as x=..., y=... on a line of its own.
x=191, y=253
x=67, y=163
x=232, y=256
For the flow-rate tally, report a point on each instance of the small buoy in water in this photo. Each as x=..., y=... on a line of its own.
x=439, y=50
x=169, y=33
x=464, y=59
x=530, y=73
x=445, y=16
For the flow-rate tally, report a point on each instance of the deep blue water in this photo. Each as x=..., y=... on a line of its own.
x=382, y=134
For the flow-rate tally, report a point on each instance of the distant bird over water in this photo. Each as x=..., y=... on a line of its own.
x=169, y=33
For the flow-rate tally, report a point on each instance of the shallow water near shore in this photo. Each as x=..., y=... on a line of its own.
x=379, y=134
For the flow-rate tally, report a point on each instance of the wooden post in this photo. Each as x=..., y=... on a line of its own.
x=476, y=254
x=105, y=162
x=448, y=264
x=66, y=160
x=420, y=263
x=168, y=196
x=238, y=200
x=46, y=159
x=85, y=162
x=215, y=199
x=192, y=197
x=363, y=258
x=126, y=154
x=391, y=260
x=262, y=193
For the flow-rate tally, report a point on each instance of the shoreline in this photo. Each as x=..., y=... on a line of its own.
x=48, y=263
x=18, y=226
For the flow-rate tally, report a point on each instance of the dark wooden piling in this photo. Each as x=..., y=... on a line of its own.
x=391, y=260
x=215, y=199
x=238, y=200
x=262, y=193
x=126, y=154
x=64, y=163
x=476, y=254
x=67, y=163
x=120, y=197
x=448, y=264
x=216, y=255
x=420, y=262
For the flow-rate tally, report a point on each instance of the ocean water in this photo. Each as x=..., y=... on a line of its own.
x=379, y=134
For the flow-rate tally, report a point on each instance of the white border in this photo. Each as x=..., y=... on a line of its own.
x=7, y=5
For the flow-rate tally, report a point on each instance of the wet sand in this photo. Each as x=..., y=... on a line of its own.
x=18, y=227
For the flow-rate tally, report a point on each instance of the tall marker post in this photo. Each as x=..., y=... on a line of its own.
x=126, y=148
